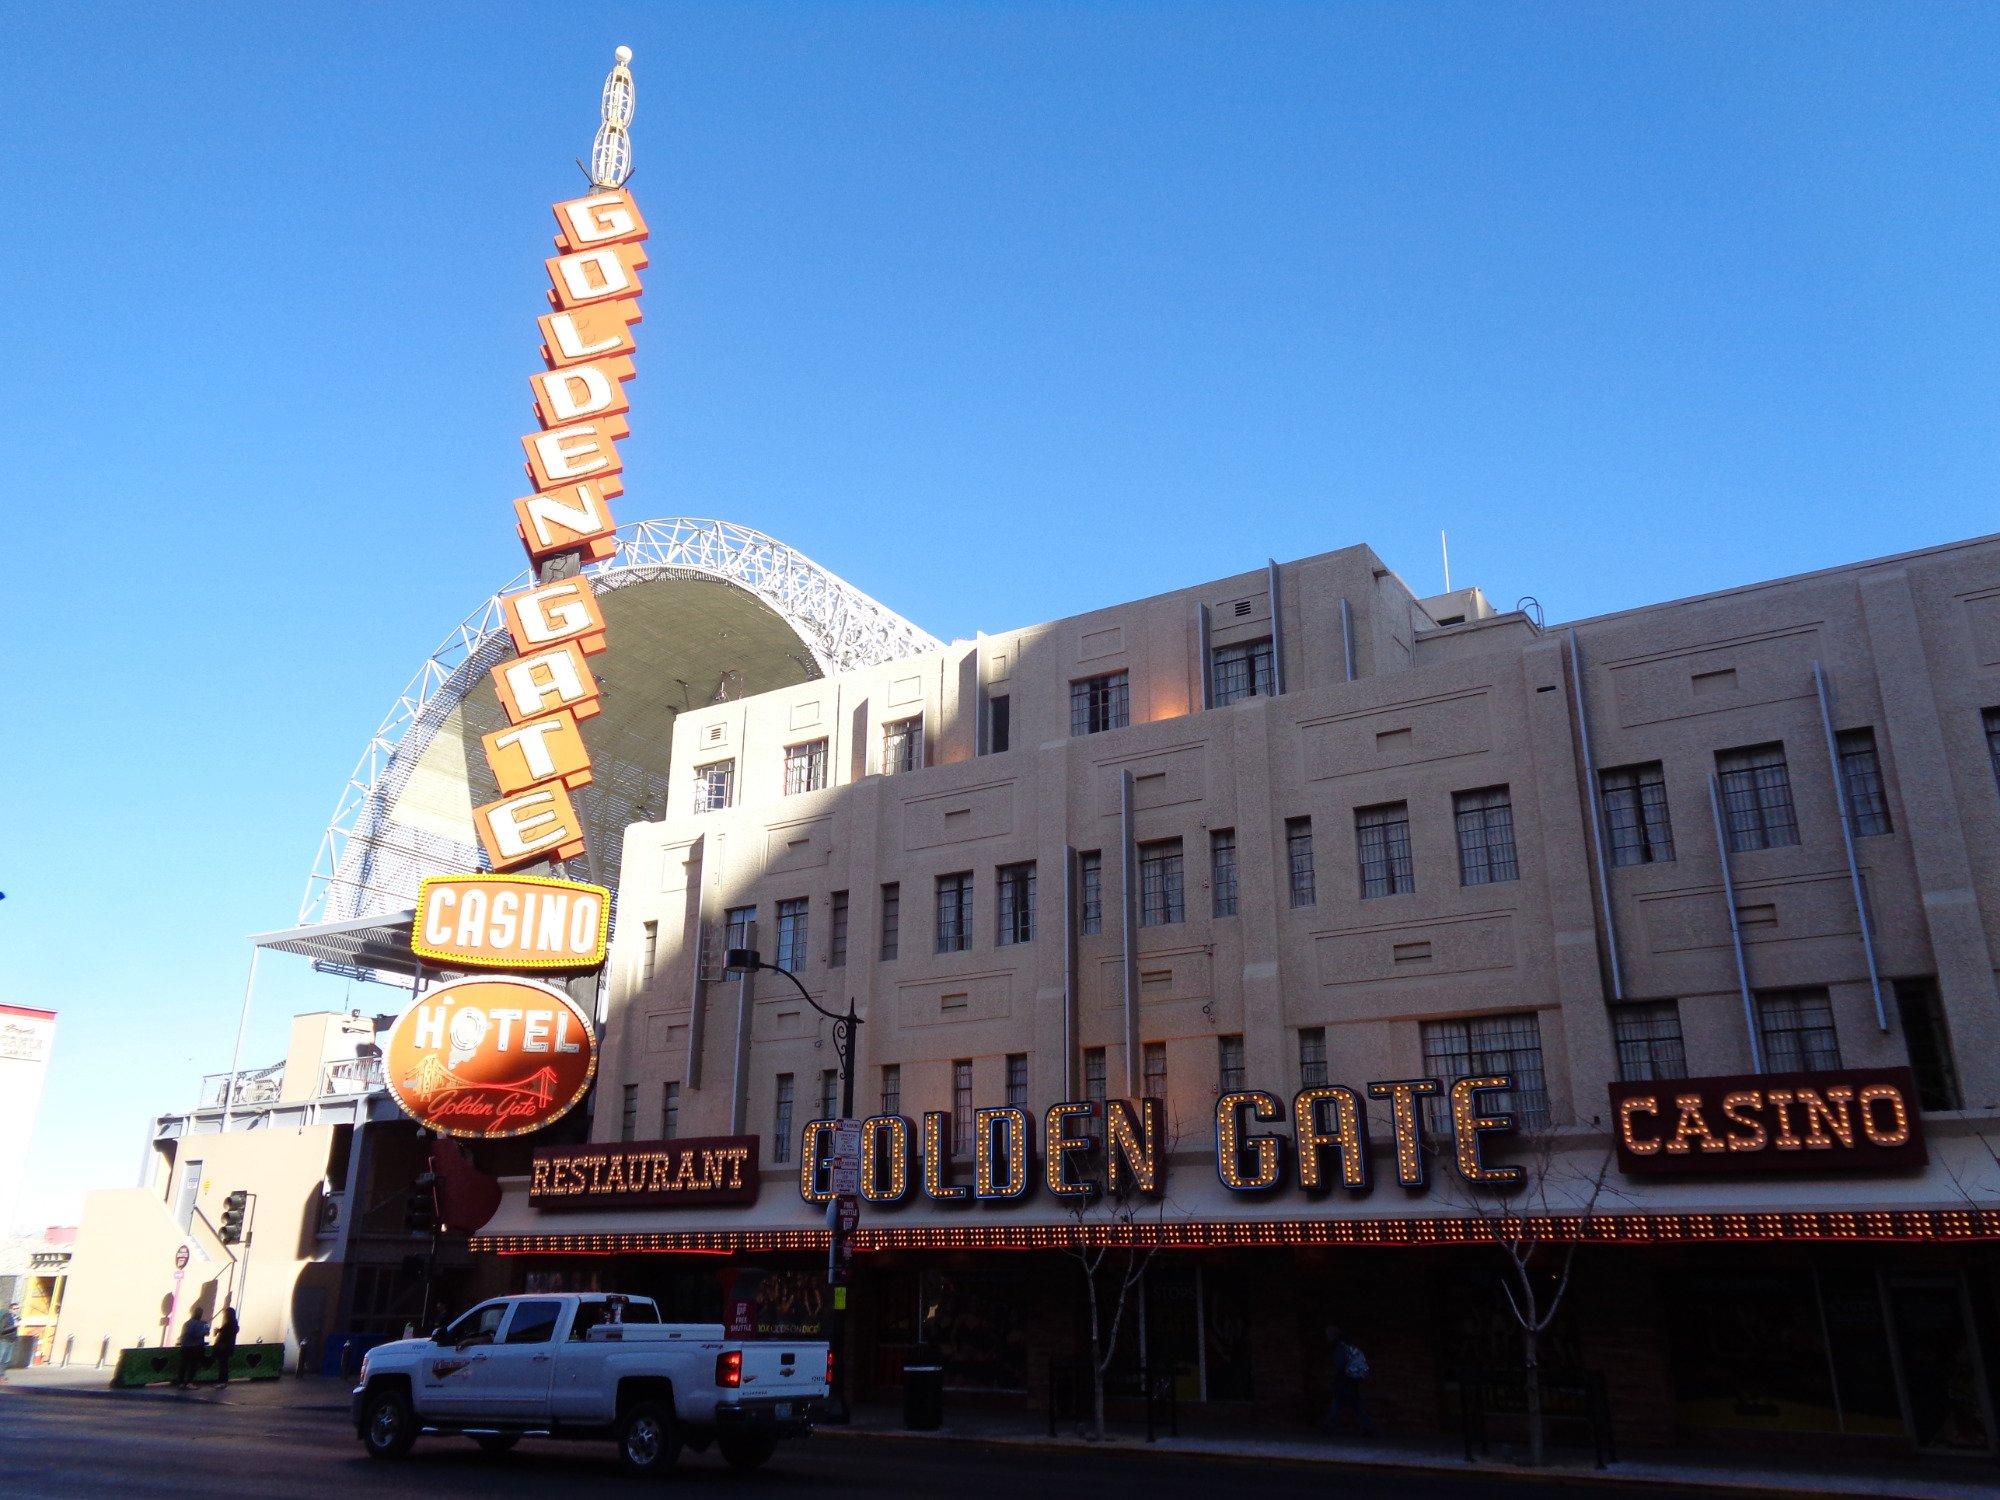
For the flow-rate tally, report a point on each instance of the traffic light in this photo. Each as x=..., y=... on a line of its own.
x=235, y=1209
x=420, y=1208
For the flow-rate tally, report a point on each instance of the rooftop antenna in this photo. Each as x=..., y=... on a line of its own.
x=1445, y=548
x=611, y=152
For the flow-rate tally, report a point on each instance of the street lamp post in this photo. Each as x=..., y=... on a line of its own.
x=746, y=961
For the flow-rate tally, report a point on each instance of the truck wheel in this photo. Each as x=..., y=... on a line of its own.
x=747, y=1450
x=647, y=1442
x=388, y=1425
x=495, y=1442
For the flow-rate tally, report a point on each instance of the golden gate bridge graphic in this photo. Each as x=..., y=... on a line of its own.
x=432, y=1080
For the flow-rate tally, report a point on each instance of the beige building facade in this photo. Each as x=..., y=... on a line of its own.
x=1301, y=829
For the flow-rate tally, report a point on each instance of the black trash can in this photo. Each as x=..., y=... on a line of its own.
x=923, y=1391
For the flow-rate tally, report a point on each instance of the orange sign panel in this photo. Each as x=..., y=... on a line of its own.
x=487, y=1058
x=580, y=450
x=573, y=518
x=540, y=824
x=542, y=750
x=552, y=613
x=558, y=677
x=598, y=331
x=511, y=922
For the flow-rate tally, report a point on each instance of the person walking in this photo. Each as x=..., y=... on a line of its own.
x=10, y=1336
x=1348, y=1369
x=194, y=1345
x=225, y=1343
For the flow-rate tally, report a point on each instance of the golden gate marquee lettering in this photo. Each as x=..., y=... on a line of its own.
x=573, y=466
x=1120, y=1146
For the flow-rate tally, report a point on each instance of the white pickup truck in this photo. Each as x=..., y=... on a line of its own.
x=590, y=1365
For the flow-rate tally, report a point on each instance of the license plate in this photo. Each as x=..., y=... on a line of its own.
x=784, y=1410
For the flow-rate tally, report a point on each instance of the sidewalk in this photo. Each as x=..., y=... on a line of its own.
x=84, y=1380
x=1669, y=1472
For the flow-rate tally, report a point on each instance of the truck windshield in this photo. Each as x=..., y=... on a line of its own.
x=477, y=1326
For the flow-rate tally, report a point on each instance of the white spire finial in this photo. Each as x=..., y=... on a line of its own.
x=611, y=152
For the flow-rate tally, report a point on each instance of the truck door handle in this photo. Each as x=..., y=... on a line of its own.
x=539, y=1359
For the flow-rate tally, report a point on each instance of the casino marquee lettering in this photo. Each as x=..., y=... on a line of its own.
x=1317, y=1144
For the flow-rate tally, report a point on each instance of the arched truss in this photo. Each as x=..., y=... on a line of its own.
x=366, y=865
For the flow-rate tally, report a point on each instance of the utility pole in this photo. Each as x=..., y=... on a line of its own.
x=746, y=961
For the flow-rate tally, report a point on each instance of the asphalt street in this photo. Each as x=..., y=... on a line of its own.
x=75, y=1443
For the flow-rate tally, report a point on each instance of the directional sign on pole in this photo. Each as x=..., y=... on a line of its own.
x=843, y=1161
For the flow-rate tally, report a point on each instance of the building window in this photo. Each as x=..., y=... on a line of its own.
x=836, y=953
x=1799, y=1036
x=999, y=725
x=1017, y=1080
x=1229, y=1063
x=1162, y=892
x=1300, y=878
x=1155, y=1057
x=1090, y=892
x=628, y=1113
x=1485, y=822
x=961, y=1107
x=713, y=784
x=670, y=1111
x=1992, y=719
x=652, y=954
x=954, y=912
x=792, y=934
x=1648, y=1037
x=829, y=1093
x=903, y=746
x=1756, y=798
x=1510, y=1044
x=1383, y=837
x=1861, y=778
x=892, y=919
x=1222, y=871
x=1312, y=1056
x=737, y=923
x=1635, y=814
x=892, y=1088
x=781, y=1121
x=1928, y=1042
x=1100, y=703
x=1241, y=671
x=805, y=767
x=1093, y=1074
x=1016, y=895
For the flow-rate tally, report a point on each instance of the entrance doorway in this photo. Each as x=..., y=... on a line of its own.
x=1940, y=1376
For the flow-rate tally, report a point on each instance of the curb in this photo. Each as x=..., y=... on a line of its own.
x=1493, y=1471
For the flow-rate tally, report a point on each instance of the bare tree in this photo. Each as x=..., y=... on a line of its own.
x=1536, y=1269
x=1114, y=1224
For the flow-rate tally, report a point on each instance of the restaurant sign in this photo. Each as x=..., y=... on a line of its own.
x=697, y=1172
x=1857, y=1120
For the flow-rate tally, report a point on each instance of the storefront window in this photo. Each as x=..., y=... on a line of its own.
x=974, y=1320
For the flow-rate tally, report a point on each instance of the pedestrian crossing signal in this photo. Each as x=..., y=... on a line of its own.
x=235, y=1210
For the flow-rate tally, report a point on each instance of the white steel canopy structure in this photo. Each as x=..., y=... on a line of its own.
x=699, y=612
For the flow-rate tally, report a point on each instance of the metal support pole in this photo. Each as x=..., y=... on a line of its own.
x=1277, y=633
x=242, y=1025
x=1347, y=636
x=1072, y=918
x=1847, y=842
x=1735, y=926
x=1128, y=905
x=1592, y=801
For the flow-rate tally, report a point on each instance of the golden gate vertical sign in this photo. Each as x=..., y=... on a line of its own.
x=573, y=465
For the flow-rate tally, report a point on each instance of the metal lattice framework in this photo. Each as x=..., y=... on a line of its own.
x=368, y=864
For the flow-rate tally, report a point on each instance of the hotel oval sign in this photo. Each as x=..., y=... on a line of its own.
x=487, y=1057
x=510, y=922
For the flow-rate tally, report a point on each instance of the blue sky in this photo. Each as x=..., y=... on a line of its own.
x=1002, y=312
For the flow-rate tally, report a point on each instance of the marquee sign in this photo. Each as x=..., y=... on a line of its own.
x=1857, y=1120
x=485, y=1058
x=510, y=922
x=1316, y=1144
x=696, y=1172
x=547, y=690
